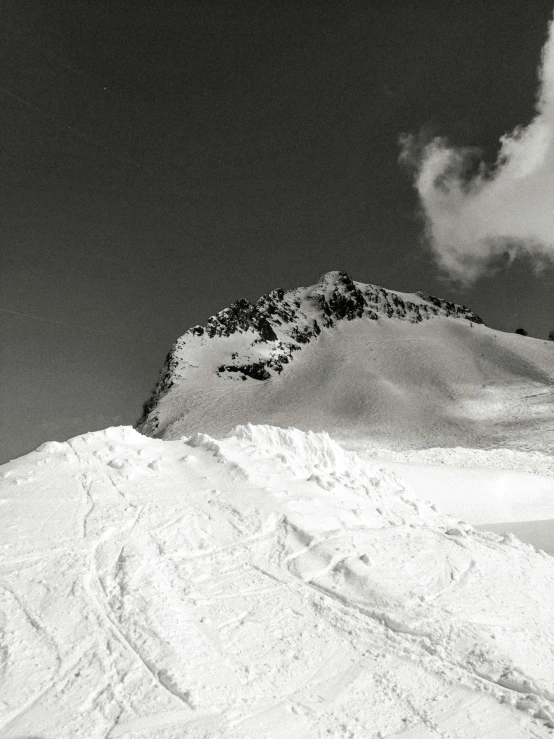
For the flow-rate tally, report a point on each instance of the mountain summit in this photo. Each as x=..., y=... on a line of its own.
x=358, y=361
x=246, y=341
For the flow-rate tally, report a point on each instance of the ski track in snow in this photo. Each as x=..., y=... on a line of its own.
x=269, y=584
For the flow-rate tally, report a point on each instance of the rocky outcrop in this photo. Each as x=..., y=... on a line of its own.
x=281, y=323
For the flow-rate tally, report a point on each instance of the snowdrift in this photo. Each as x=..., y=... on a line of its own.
x=270, y=583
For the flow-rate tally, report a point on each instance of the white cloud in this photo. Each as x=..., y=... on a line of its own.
x=476, y=215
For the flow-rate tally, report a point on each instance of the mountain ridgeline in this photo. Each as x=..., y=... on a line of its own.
x=258, y=341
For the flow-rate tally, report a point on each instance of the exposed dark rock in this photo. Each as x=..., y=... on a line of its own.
x=303, y=335
x=266, y=332
x=451, y=309
x=226, y=322
x=257, y=370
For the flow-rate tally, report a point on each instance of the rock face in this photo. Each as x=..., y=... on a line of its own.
x=269, y=334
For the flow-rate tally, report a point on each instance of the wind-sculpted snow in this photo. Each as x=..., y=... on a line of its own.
x=265, y=584
x=307, y=452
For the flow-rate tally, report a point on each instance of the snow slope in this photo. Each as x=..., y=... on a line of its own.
x=267, y=584
x=365, y=364
x=482, y=486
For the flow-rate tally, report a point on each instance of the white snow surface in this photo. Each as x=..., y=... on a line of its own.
x=397, y=384
x=266, y=584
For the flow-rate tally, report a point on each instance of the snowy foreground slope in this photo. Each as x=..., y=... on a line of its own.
x=363, y=364
x=267, y=584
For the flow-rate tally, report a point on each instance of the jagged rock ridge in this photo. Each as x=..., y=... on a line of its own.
x=281, y=322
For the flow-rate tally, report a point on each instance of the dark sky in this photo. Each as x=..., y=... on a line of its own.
x=161, y=159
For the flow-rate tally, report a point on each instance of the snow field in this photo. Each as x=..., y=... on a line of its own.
x=396, y=385
x=266, y=584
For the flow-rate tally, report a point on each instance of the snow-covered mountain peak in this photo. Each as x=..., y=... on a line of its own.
x=246, y=341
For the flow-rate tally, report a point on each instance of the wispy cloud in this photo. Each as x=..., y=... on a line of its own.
x=477, y=215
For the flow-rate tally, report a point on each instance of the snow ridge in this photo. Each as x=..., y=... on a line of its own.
x=274, y=329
